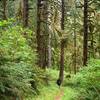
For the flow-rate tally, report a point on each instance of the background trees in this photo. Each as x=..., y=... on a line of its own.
x=41, y=35
x=48, y=32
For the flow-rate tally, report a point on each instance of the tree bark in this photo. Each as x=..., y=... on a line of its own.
x=49, y=50
x=75, y=45
x=25, y=13
x=4, y=9
x=92, y=46
x=85, y=42
x=61, y=73
x=42, y=33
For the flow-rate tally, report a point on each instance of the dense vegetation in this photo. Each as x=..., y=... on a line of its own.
x=87, y=79
x=49, y=49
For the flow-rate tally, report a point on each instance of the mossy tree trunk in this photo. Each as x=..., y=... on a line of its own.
x=25, y=13
x=61, y=73
x=85, y=41
x=4, y=3
x=42, y=33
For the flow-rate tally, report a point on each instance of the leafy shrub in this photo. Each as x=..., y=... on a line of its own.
x=13, y=46
x=89, y=80
x=14, y=80
x=18, y=74
x=21, y=79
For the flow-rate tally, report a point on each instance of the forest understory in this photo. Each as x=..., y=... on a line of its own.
x=49, y=49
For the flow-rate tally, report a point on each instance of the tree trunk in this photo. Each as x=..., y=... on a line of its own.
x=92, y=45
x=75, y=46
x=42, y=33
x=49, y=51
x=61, y=73
x=4, y=9
x=85, y=44
x=25, y=13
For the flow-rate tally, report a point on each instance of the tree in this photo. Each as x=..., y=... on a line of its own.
x=75, y=42
x=4, y=3
x=25, y=13
x=42, y=33
x=85, y=43
x=61, y=73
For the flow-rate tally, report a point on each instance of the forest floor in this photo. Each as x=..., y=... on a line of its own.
x=53, y=92
x=59, y=95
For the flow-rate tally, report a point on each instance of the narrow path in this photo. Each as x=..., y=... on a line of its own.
x=53, y=93
x=59, y=95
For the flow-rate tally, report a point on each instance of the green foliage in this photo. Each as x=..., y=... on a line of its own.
x=7, y=23
x=52, y=91
x=14, y=80
x=21, y=79
x=89, y=80
x=14, y=47
x=18, y=74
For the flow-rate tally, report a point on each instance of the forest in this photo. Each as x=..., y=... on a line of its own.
x=49, y=49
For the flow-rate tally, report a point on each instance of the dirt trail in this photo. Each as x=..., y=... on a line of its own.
x=59, y=95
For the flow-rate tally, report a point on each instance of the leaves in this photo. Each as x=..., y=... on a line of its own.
x=89, y=78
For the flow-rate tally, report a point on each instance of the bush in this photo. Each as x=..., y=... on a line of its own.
x=18, y=74
x=21, y=79
x=14, y=47
x=89, y=80
x=14, y=80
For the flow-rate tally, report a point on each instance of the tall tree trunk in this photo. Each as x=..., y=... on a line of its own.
x=42, y=33
x=25, y=13
x=85, y=44
x=75, y=46
x=92, y=45
x=61, y=73
x=4, y=9
x=47, y=36
x=49, y=50
x=38, y=33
